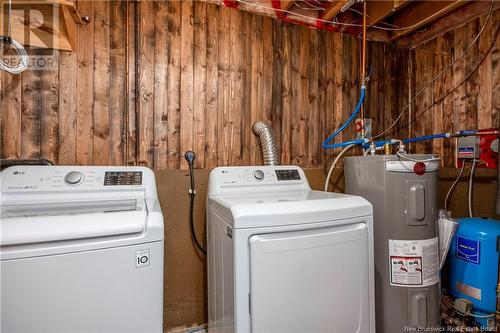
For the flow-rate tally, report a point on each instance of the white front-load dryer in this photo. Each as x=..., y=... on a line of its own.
x=81, y=250
x=284, y=258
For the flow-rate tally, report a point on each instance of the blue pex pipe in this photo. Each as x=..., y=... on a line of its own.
x=417, y=139
x=427, y=137
x=332, y=136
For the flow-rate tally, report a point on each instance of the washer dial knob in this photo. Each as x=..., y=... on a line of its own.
x=73, y=177
x=258, y=174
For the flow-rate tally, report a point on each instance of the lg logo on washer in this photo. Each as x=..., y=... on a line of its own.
x=142, y=258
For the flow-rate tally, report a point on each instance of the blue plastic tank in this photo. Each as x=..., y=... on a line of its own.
x=473, y=263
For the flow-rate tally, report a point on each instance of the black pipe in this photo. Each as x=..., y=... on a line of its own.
x=5, y=163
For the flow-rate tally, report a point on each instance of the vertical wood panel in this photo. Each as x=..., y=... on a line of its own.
x=437, y=110
x=131, y=91
x=256, y=85
x=31, y=104
x=101, y=119
x=224, y=87
x=200, y=79
x=458, y=78
x=174, y=78
x=117, y=93
x=484, y=77
x=247, y=136
x=145, y=112
x=313, y=125
x=11, y=116
x=471, y=85
x=447, y=82
x=85, y=86
x=187, y=76
x=295, y=112
x=160, y=86
x=49, y=129
x=67, y=108
x=286, y=94
x=277, y=65
x=211, y=126
x=236, y=85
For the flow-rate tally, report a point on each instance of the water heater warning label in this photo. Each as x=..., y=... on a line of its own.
x=414, y=263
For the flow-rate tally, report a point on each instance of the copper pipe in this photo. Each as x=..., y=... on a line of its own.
x=363, y=68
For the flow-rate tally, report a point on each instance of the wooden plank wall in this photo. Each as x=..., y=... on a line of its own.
x=467, y=96
x=153, y=79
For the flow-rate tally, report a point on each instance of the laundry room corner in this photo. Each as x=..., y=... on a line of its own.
x=249, y=166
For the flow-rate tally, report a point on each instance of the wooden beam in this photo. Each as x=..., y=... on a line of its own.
x=377, y=10
x=423, y=12
x=286, y=4
x=458, y=18
x=333, y=9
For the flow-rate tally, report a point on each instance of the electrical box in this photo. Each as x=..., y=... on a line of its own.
x=468, y=147
x=483, y=146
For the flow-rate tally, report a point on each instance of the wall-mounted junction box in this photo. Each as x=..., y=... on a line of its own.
x=468, y=147
x=483, y=146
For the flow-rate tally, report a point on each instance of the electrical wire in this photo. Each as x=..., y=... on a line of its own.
x=325, y=21
x=428, y=84
x=406, y=157
x=452, y=188
x=471, y=181
x=332, y=167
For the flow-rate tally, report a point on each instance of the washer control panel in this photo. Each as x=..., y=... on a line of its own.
x=113, y=178
x=74, y=178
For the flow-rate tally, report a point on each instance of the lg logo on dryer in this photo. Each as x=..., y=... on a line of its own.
x=142, y=258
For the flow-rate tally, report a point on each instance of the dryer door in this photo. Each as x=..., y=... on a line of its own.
x=310, y=280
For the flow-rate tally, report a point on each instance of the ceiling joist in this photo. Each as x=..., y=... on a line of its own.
x=458, y=18
x=377, y=10
x=422, y=13
x=334, y=9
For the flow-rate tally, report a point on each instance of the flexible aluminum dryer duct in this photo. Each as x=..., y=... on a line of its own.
x=270, y=151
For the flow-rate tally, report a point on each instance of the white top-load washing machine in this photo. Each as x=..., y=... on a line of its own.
x=283, y=258
x=81, y=250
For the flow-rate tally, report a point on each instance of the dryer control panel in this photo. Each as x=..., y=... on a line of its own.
x=257, y=178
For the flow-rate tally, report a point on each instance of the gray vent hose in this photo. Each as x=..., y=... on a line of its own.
x=270, y=151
